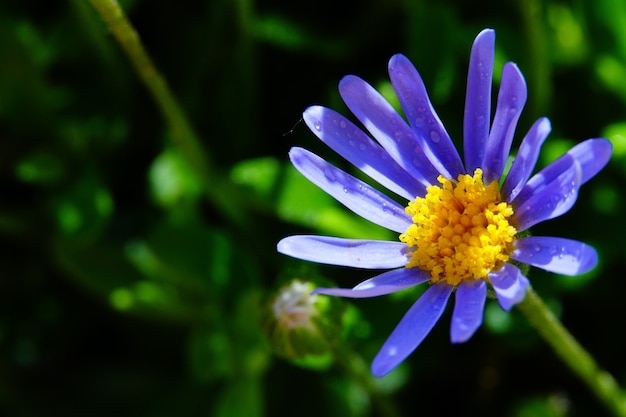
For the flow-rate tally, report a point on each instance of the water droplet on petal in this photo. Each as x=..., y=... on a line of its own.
x=317, y=125
x=342, y=124
x=434, y=136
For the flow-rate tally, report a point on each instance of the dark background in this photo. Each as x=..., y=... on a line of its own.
x=126, y=290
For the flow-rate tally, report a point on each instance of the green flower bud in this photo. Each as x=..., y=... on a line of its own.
x=303, y=327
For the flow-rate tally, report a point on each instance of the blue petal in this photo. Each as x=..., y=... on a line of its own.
x=509, y=284
x=478, y=100
x=359, y=197
x=592, y=155
x=511, y=100
x=422, y=117
x=468, y=309
x=387, y=127
x=386, y=283
x=369, y=254
x=412, y=329
x=525, y=160
x=354, y=145
x=549, y=194
x=555, y=254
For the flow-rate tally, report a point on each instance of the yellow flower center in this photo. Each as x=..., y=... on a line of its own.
x=461, y=229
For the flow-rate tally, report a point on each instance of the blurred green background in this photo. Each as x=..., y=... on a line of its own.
x=132, y=285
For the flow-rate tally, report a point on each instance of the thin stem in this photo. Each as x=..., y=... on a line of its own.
x=217, y=190
x=573, y=354
x=354, y=365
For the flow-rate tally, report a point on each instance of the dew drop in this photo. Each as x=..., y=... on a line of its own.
x=434, y=136
x=317, y=125
x=342, y=124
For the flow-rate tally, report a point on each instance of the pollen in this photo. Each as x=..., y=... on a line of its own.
x=461, y=229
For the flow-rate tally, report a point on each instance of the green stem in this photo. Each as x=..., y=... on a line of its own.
x=354, y=365
x=217, y=190
x=573, y=354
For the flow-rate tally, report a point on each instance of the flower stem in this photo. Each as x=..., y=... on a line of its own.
x=356, y=368
x=217, y=190
x=573, y=354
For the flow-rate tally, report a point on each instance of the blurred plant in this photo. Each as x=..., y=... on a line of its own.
x=144, y=187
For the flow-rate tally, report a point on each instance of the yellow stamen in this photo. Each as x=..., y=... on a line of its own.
x=460, y=230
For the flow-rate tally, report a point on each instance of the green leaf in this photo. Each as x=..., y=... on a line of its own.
x=259, y=174
x=85, y=209
x=171, y=179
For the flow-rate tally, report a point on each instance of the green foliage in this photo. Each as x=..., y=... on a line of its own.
x=138, y=234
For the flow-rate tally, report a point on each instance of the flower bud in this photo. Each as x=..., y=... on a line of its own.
x=303, y=326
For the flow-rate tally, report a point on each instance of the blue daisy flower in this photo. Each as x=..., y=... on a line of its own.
x=463, y=223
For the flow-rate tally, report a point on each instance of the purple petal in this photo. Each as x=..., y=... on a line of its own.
x=369, y=254
x=386, y=283
x=478, y=99
x=412, y=329
x=549, y=194
x=468, y=309
x=511, y=100
x=387, y=127
x=509, y=284
x=422, y=117
x=555, y=254
x=354, y=145
x=526, y=158
x=359, y=197
x=592, y=155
